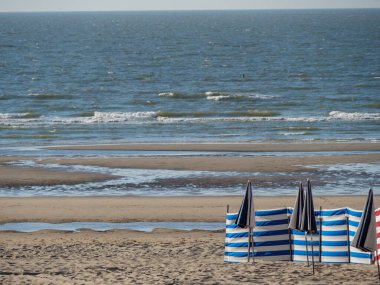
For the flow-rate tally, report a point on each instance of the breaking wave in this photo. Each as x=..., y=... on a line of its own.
x=217, y=96
x=180, y=117
x=355, y=116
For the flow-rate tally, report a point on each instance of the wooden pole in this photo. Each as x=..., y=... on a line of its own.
x=307, y=250
x=253, y=247
x=249, y=243
x=228, y=208
x=348, y=239
x=290, y=241
x=320, y=234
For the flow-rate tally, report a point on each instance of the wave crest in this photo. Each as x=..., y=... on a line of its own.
x=26, y=119
x=355, y=116
x=217, y=96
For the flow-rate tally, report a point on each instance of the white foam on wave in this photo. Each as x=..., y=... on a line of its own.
x=355, y=116
x=217, y=96
x=4, y=116
x=166, y=94
x=22, y=119
x=333, y=116
x=293, y=133
x=109, y=117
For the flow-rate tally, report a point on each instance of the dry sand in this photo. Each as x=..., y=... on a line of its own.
x=160, y=257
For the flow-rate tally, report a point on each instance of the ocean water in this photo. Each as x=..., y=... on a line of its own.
x=240, y=76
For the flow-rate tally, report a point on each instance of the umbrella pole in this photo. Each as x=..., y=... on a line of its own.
x=290, y=241
x=348, y=239
x=320, y=234
x=312, y=251
x=253, y=248
x=307, y=250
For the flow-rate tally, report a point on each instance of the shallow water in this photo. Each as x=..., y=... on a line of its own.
x=28, y=227
x=336, y=179
x=40, y=151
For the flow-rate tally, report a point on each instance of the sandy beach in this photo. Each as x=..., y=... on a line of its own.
x=128, y=129
x=164, y=256
x=160, y=257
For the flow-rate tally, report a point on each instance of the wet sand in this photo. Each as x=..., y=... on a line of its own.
x=153, y=209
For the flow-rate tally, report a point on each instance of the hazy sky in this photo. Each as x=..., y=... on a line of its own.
x=110, y=5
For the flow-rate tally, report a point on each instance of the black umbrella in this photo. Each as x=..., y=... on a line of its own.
x=308, y=222
x=295, y=220
x=246, y=216
x=365, y=236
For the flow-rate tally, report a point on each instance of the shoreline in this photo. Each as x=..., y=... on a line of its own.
x=236, y=147
x=148, y=208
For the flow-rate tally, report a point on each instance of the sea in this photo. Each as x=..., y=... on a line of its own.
x=201, y=76
x=196, y=76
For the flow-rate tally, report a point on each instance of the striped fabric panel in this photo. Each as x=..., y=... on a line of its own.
x=356, y=255
x=334, y=236
x=236, y=241
x=377, y=213
x=299, y=246
x=270, y=237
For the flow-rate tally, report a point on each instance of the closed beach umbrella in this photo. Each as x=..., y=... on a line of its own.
x=295, y=220
x=246, y=216
x=365, y=236
x=308, y=222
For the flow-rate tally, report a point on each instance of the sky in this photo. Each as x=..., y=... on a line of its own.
x=121, y=5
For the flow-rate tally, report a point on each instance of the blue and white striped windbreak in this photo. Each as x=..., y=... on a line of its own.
x=271, y=237
x=274, y=241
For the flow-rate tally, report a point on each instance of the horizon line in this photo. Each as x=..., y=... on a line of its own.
x=191, y=10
